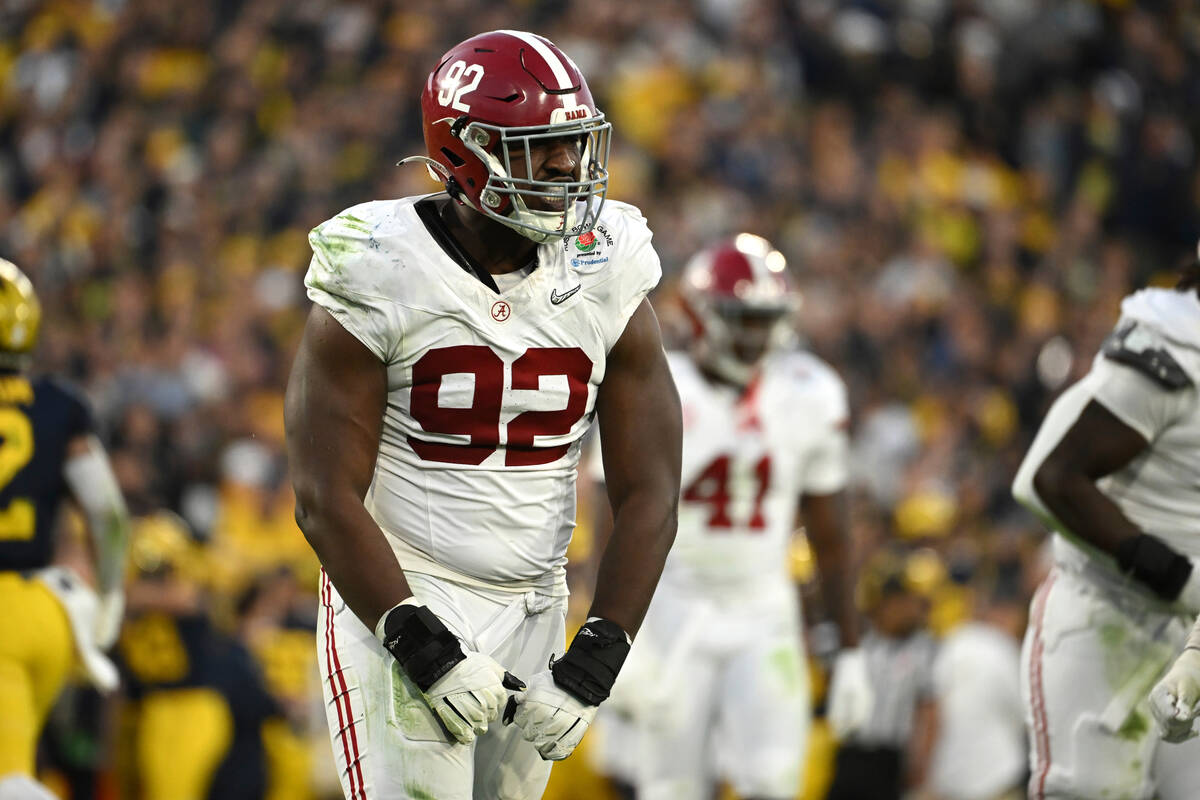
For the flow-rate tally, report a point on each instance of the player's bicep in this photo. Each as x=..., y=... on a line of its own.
x=1096, y=444
x=336, y=397
x=641, y=429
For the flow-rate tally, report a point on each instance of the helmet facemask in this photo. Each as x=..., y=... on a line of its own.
x=581, y=200
x=733, y=339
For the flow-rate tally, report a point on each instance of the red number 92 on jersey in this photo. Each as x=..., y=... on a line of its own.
x=480, y=421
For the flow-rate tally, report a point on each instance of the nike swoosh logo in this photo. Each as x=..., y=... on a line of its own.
x=557, y=298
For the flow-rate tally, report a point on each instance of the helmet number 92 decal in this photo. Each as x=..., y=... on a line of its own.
x=452, y=87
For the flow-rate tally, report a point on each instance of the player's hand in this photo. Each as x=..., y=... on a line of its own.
x=559, y=705
x=550, y=718
x=1174, y=700
x=469, y=696
x=465, y=689
x=851, y=697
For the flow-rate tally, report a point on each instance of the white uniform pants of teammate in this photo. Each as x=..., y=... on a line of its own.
x=389, y=749
x=715, y=688
x=1092, y=651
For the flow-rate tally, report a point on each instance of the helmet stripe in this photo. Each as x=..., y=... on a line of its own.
x=557, y=68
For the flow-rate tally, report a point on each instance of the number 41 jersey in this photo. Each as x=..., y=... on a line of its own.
x=489, y=395
x=748, y=457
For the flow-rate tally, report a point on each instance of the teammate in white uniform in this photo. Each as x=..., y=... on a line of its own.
x=1115, y=470
x=717, y=686
x=458, y=349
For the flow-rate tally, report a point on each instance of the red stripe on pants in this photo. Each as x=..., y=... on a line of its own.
x=1041, y=726
x=334, y=667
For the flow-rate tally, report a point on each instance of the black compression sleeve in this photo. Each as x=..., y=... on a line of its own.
x=1152, y=562
x=590, y=666
x=425, y=648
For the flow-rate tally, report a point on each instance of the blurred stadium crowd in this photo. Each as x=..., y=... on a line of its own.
x=964, y=189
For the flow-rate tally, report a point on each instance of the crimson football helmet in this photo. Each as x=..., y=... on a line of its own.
x=740, y=303
x=491, y=100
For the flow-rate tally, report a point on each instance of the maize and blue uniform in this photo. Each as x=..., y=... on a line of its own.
x=200, y=703
x=38, y=420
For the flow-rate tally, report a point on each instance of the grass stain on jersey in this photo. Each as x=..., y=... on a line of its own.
x=786, y=666
x=355, y=223
x=417, y=793
x=1135, y=728
x=1132, y=664
x=333, y=249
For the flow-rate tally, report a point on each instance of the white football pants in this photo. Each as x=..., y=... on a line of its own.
x=396, y=749
x=1092, y=652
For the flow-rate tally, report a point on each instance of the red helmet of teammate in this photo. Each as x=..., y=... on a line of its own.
x=740, y=302
x=487, y=104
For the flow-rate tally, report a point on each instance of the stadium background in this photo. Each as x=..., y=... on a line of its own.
x=964, y=189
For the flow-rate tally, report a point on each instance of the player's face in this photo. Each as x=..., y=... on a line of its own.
x=750, y=334
x=556, y=159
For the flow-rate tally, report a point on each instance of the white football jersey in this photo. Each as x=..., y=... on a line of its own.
x=489, y=394
x=747, y=459
x=1159, y=490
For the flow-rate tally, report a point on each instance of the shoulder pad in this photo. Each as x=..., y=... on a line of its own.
x=1134, y=348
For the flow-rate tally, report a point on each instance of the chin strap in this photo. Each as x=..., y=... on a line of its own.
x=437, y=171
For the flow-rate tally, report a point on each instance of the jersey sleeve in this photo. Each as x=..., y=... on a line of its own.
x=637, y=274
x=1140, y=401
x=826, y=470
x=345, y=278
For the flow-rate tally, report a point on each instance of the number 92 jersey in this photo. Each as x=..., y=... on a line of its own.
x=489, y=395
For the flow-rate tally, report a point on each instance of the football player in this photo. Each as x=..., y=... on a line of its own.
x=52, y=617
x=1115, y=471
x=459, y=347
x=720, y=666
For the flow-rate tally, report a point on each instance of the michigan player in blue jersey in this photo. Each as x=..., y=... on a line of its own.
x=52, y=618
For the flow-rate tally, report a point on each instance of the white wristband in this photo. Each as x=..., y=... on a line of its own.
x=408, y=601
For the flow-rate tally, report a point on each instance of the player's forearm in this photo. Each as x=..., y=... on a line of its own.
x=643, y=530
x=94, y=486
x=354, y=552
x=1081, y=510
x=825, y=520
x=837, y=595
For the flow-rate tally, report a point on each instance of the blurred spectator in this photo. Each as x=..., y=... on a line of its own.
x=197, y=701
x=980, y=749
x=891, y=752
